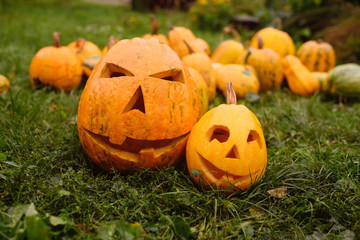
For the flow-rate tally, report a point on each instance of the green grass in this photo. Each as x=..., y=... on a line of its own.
x=48, y=185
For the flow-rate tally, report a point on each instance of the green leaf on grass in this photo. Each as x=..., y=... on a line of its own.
x=180, y=227
x=2, y=157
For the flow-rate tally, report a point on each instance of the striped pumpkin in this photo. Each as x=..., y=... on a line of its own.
x=317, y=56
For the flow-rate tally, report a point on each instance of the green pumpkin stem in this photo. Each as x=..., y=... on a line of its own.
x=56, y=39
x=191, y=50
x=230, y=94
x=230, y=29
x=154, y=25
x=260, y=42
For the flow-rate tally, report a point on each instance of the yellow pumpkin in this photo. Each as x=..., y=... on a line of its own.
x=243, y=79
x=227, y=52
x=267, y=64
x=4, y=84
x=55, y=66
x=317, y=56
x=299, y=78
x=226, y=148
x=275, y=39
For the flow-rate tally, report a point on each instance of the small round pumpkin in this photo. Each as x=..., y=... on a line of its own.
x=138, y=107
x=55, y=66
x=267, y=64
x=317, y=56
x=227, y=52
x=202, y=63
x=4, y=84
x=177, y=35
x=242, y=77
x=154, y=32
x=226, y=147
x=83, y=50
x=275, y=39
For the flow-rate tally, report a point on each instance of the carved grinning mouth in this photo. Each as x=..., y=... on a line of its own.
x=132, y=148
x=212, y=172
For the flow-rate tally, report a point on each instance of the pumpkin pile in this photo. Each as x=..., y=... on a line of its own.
x=145, y=102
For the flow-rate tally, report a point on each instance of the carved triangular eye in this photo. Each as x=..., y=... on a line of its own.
x=136, y=102
x=233, y=153
x=111, y=70
x=174, y=75
x=254, y=137
x=220, y=133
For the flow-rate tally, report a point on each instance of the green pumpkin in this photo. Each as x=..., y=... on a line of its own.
x=344, y=80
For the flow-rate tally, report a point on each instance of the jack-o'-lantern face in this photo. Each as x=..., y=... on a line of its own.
x=138, y=107
x=226, y=148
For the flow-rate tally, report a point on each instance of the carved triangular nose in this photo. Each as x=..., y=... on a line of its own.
x=234, y=153
x=136, y=102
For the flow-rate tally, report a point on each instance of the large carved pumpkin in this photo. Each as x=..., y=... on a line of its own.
x=226, y=148
x=55, y=66
x=138, y=107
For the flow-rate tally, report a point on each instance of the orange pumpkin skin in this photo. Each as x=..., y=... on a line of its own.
x=226, y=149
x=275, y=39
x=317, y=56
x=201, y=87
x=267, y=64
x=202, y=63
x=55, y=66
x=137, y=107
x=300, y=80
x=203, y=45
x=243, y=79
x=4, y=84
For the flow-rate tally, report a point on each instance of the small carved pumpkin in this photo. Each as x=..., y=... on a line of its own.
x=300, y=80
x=202, y=63
x=226, y=147
x=55, y=66
x=275, y=39
x=154, y=32
x=317, y=56
x=242, y=77
x=138, y=107
x=4, y=84
x=267, y=64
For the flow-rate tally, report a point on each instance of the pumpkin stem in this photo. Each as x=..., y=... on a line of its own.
x=260, y=42
x=191, y=50
x=230, y=94
x=231, y=29
x=56, y=39
x=247, y=56
x=80, y=43
x=112, y=42
x=154, y=25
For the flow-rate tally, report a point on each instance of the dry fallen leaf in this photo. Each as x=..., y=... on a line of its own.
x=257, y=213
x=278, y=192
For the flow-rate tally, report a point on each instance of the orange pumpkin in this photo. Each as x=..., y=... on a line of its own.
x=317, y=56
x=138, y=107
x=201, y=87
x=275, y=39
x=300, y=80
x=243, y=79
x=4, y=84
x=154, y=32
x=83, y=50
x=56, y=66
x=226, y=147
x=177, y=35
x=267, y=64
x=202, y=63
